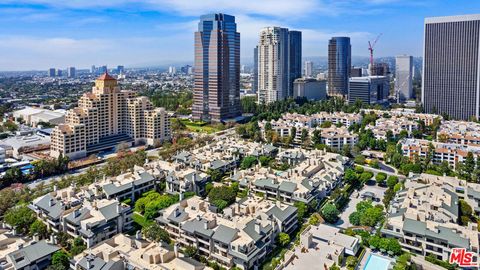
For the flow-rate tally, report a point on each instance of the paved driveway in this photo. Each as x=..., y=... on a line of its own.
x=356, y=198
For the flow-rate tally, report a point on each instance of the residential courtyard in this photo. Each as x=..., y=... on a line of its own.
x=356, y=197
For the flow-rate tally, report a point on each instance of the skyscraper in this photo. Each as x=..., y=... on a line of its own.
x=403, y=77
x=51, y=72
x=339, y=64
x=120, y=69
x=451, y=66
x=279, y=63
x=369, y=90
x=255, y=70
x=294, y=58
x=71, y=72
x=273, y=69
x=216, y=94
x=308, y=69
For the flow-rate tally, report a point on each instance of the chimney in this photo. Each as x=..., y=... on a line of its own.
x=19, y=246
x=138, y=235
x=257, y=227
x=119, y=208
x=175, y=249
x=205, y=225
x=36, y=237
x=51, y=203
x=180, y=196
x=55, y=187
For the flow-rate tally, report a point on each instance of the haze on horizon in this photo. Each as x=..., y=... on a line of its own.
x=38, y=34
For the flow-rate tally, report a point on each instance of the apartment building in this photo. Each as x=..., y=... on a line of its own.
x=224, y=155
x=241, y=236
x=460, y=132
x=395, y=124
x=467, y=191
x=312, y=175
x=93, y=221
x=334, y=137
x=424, y=216
x=130, y=185
x=322, y=246
x=427, y=118
x=449, y=152
x=107, y=117
x=124, y=252
x=36, y=256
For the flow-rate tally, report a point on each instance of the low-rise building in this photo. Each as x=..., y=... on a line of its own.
x=22, y=144
x=123, y=252
x=33, y=116
x=369, y=90
x=448, y=152
x=394, y=124
x=322, y=246
x=130, y=185
x=241, y=236
x=310, y=89
x=36, y=256
x=423, y=217
x=312, y=175
x=94, y=221
x=459, y=132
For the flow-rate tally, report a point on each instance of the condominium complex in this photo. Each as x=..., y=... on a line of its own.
x=70, y=212
x=279, y=63
x=394, y=124
x=404, y=77
x=216, y=93
x=460, y=132
x=312, y=176
x=451, y=84
x=450, y=152
x=427, y=118
x=339, y=64
x=423, y=217
x=106, y=117
x=369, y=90
x=242, y=236
x=124, y=252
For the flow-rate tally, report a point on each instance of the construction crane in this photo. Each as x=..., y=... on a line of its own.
x=371, y=46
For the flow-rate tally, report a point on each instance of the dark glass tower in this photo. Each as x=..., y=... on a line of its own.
x=216, y=95
x=339, y=64
x=295, y=58
x=451, y=66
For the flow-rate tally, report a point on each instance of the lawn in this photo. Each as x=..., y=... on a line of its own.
x=140, y=220
x=200, y=127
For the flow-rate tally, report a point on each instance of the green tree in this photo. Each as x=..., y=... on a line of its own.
x=215, y=175
x=350, y=176
x=283, y=239
x=20, y=217
x=38, y=228
x=190, y=251
x=222, y=196
x=354, y=218
x=351, y=262
x=302, y=210
x=155, y=232
x=380, y=178
x=334, y=267
x=61, y=260
x=469, y=166
x=330, y=213
x=248, y=162
x=392, y=181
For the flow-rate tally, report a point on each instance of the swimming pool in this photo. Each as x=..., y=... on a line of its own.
x=375, y=262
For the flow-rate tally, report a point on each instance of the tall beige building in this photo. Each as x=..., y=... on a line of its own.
x=107, y=117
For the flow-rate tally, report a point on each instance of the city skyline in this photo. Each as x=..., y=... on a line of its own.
x=38, y=34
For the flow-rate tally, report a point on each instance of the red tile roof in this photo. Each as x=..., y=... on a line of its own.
x=106, y=77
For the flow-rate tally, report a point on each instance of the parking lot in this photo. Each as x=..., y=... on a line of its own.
x=356, y=197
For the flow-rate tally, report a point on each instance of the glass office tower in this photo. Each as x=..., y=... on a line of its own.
x=216, y=95
x=339, y=64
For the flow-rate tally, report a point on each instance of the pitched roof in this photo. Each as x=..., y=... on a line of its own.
x=106, y=77
x=29, y=254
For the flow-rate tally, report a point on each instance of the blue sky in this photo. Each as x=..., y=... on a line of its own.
x=38, y=34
